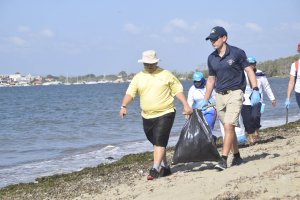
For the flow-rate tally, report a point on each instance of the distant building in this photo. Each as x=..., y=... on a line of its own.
x=19, y=79
x=5, y=80
x=16, y=77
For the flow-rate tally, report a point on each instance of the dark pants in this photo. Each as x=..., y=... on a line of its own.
x=298, y=98
x=158, y=129
x=251, y=117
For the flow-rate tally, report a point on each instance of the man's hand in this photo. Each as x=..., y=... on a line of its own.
x=212, y=101
x=287, y=103
x=187, y=111
x=122, y=112
x=255, y=97
x=273, y=103
x=202, y=105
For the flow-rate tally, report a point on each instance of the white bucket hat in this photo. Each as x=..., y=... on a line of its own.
x=149, y=57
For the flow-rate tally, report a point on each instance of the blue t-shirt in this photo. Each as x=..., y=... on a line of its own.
x=228, y=70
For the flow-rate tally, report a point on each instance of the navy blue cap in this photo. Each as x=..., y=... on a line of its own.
x=216, y=33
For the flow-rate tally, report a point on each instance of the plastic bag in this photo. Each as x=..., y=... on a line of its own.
x=195, y=142
x=262, y=108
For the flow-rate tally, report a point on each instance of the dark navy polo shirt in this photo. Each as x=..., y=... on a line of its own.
x=228, y=70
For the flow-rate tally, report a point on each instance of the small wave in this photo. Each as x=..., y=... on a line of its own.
x=109, y=148
x=28, y=172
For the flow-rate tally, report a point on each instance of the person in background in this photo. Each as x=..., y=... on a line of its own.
x=156, y=88
x=252, y=121
x=294, y=82
x=196, y=94
x=226, y=67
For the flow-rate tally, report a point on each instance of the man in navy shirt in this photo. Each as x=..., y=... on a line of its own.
x=226, y=66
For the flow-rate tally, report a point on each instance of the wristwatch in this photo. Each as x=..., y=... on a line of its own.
x=255, y=88
x=123, y=106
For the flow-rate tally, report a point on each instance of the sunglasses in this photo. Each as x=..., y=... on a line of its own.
x=149, y=65
x=197, y=81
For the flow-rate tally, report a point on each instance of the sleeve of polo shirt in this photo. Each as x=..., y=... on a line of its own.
x=211, y=72
x=133, y=87
x=175, y=86
x=243, y=59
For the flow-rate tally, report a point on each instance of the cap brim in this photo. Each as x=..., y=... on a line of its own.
x=212, y=37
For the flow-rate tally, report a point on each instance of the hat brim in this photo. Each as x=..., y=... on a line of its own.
x=197, y=79
x=152, y=61
x=212, y=37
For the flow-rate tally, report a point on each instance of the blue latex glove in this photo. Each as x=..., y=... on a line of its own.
x=255, y=97
x=212, y=101
x=202, y=105
x=287, y=103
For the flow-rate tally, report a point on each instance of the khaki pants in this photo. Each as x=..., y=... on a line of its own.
x=229, y=106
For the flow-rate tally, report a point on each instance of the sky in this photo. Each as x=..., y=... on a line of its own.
x=79, y=37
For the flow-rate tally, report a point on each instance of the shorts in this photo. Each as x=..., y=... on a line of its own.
x=229, y=106
x=251, y=117
x=158, y=129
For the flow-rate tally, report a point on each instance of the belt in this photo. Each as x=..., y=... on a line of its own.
x=224, y=92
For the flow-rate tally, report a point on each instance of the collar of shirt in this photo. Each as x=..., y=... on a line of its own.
x=227, y=51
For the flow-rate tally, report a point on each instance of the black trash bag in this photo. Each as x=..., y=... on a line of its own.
x=195, y=143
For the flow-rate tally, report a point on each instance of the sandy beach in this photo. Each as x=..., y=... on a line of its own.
x=271, y=171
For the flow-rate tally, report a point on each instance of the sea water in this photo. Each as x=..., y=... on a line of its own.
x=48, y=130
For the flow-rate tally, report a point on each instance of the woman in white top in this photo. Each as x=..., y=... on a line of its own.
x=252, y=114
x=197, y=93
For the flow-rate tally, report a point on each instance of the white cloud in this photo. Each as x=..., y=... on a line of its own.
x=176, y=24
x=17, y=41
x=179, y=23
x=131, y=28
x=47, y=33
x=24, y=29
x=253, y=27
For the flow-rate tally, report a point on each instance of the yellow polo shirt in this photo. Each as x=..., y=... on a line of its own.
x=156, y=92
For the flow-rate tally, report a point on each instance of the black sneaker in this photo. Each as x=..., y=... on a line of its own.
x=153, y=173
x=237, y=161
x=221, y=165
x=165, y=171
x=215, y=138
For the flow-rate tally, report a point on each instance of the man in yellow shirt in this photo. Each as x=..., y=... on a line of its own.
x=156, y=88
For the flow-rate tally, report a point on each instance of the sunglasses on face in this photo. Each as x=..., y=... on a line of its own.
x=198, y=82
x=149, y=65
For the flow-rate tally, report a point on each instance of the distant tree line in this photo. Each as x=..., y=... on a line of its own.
x=278, y=67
